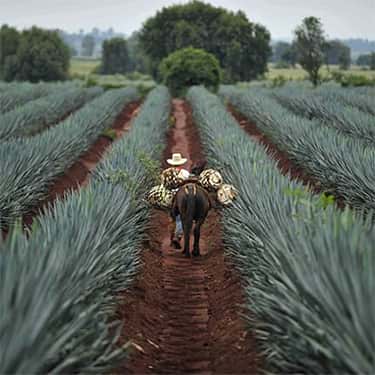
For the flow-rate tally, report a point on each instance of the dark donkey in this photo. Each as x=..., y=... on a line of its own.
x=192, y=203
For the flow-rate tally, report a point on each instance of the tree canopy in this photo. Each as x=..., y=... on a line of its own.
x=241, y=47
x=115, y=57
x=310, y=43
x=88, y=45
x=33, y=55
x=367, y=60
x=138, y=60
x=9, y=42
x=188, y=67
x=284, y=52
x=337, y=53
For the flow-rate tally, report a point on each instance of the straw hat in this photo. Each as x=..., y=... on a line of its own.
x=177, y=159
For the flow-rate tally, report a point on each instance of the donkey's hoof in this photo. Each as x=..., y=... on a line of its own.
x=175, y=244
x=196, y=253
x=186, y=253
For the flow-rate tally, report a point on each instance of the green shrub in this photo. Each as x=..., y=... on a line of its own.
x=110, y=134
x=282, y=65
x=135, y=76
x=91, y=81
x=189, y=67
x=279, y=81
x=355, y=80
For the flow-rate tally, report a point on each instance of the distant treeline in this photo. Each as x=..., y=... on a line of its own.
x=360, y=46
x=88, y=44
x=336, y=52
x=241, y=47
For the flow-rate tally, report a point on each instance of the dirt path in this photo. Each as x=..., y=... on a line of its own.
x=78, y=174
x=182, y=314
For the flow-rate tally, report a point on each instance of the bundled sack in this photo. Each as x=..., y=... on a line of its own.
x=210, y=179
x=226, y=194
x=172, y=178
x=160, y=197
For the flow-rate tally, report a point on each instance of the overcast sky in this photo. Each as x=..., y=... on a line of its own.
x=341, y=18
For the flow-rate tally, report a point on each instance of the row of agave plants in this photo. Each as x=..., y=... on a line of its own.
x=307, y=268
x=358, y=97
x=350, y=114
x=37, y=115
x=15, y=95
x=30, y=165
x=343, y=165
x=59, y=287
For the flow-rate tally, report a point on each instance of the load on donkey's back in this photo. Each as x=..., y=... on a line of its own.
x=209, y=181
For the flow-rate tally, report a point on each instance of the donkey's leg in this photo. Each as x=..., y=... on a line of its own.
x=171, y=228
x=187, y=229
x=197, y=234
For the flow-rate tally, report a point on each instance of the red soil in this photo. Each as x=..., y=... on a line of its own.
x=78, y=174
x=183, y=315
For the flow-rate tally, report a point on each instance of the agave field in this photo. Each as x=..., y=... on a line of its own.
x=286, y=280
x=330, y=140
x=29, y=165
x=60, y=296
x=308, y=271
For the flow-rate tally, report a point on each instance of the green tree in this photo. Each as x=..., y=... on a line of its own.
x=73, y=51
x=364, y=60
x=41, y=56
x=11, y=68
x=115, y=57
x=290, y=55
x=227, y=35
x=337, y=53
x=88, y=45
x=278, y=50
x=372, y=61
x=188, y=67
x=9, y=42
x=138, y=60
x=344, y=60
x=310, y=42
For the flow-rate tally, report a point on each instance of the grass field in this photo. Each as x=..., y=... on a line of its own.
x=84, y=68
x=298, y=73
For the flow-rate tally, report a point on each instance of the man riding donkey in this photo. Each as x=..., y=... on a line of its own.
x=189, y=197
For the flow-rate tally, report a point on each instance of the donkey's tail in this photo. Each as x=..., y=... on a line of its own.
x=189, y=209
x=190, y=193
